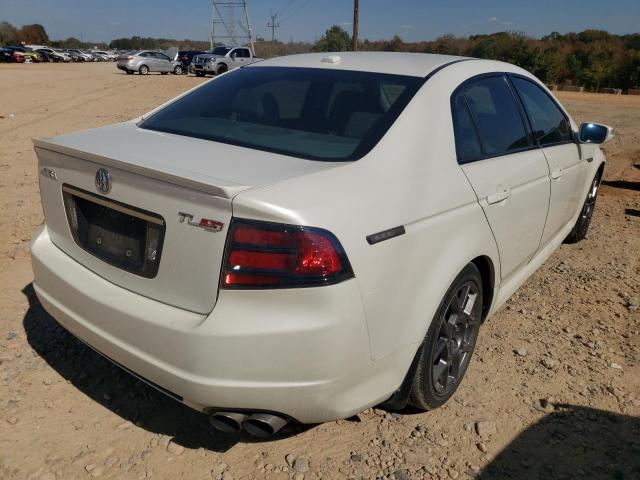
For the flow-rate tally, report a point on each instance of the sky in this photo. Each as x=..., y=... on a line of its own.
x=306, y=20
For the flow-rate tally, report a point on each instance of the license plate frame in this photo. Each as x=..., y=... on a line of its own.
x=126, y=237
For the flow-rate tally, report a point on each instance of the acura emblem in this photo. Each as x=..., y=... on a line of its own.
x=103, y=180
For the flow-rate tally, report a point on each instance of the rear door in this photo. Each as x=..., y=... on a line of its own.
x=508, y=173
x=567, y=171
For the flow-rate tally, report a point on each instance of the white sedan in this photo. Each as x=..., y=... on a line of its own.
x=312, y=235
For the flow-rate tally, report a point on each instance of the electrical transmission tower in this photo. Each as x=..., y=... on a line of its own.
x=229, y=28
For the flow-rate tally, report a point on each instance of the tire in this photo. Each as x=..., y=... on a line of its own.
x=199, y=74
x=129, y=72
x=580, y=229
x=221, y=69
x=446, y=351
x=177, y=70
x=143, y=70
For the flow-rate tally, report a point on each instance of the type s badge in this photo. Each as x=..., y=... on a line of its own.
x=204, y=223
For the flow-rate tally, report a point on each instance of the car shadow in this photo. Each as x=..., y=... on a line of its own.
x=632, y=211
x=122, y=393
x=624, y=184
x=572, y=442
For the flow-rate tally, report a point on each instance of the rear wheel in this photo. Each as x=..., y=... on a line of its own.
x=143, y=70
x=581, y=227
x=448, y=346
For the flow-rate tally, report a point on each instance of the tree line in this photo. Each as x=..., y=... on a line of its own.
x=593, y=59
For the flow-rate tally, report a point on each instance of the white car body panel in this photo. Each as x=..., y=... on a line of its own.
x=515, y=201
x=313, y=354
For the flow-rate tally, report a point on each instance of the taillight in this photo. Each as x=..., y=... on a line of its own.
x=274, y=255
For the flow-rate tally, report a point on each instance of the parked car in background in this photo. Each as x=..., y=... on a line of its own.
x=185, y=57
x=242, y=224
x=75, y=56
x=145, y=61
x=86, y=57
x=29, y=55
x=222, y=59
x=106, y=56
x=7, y=55
x=55, y=55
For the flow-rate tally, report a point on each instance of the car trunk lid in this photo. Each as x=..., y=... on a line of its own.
x=160, y=229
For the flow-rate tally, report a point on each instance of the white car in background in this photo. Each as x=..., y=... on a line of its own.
x=314, y=234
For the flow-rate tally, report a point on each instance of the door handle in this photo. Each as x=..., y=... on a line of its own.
x=499, y=197
x=557, y=174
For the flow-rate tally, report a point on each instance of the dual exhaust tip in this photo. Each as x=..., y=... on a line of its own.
x=261, y=425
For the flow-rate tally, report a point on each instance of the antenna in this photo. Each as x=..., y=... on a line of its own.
x=229, y=28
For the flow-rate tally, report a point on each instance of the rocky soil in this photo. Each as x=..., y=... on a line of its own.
x=553, y=390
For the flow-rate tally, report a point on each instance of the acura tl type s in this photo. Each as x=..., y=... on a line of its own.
x=312, y=235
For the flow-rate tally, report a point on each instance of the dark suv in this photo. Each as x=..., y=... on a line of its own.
x=185, y=57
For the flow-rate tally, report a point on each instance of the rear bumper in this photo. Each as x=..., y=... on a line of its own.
x=303, y=353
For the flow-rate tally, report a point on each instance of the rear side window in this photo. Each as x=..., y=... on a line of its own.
x=550, y=126
x=496, y=116
x=312, y=113
x=467, y=141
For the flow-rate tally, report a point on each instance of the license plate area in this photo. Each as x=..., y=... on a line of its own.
x=121, y=235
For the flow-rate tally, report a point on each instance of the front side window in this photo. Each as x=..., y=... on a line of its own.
x=496, y=115
x=312, y=113
x=550, y=126
x=220, y=51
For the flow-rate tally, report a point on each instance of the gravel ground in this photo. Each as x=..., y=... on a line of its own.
x=553, y=390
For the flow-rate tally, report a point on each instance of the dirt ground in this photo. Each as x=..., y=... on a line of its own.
x=552, y=392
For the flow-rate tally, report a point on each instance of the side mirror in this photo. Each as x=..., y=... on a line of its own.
x=595, y=133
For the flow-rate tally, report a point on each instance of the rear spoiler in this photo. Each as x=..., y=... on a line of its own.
x=171, y=174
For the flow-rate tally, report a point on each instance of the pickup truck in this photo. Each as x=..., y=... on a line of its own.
x=221, y=59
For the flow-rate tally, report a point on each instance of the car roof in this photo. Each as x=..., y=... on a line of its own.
x=399, y=63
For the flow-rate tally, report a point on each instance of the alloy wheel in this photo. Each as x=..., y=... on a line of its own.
x=456, y=338
x=590, y=202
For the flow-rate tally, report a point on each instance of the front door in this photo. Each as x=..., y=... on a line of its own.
x=508, y=173
x=567, y=171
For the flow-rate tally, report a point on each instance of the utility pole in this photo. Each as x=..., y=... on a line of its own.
x=355, y=25
x=273, y=25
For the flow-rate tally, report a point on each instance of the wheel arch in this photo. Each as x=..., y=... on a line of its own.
x=488, y=275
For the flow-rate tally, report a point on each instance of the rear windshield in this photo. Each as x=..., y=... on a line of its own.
x=317, y=114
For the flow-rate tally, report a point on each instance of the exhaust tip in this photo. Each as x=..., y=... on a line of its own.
x=264, y=425
x=228, y=422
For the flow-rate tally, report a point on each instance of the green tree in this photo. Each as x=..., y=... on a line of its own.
x=8, y=34
x=336, y=39
x=34, y=34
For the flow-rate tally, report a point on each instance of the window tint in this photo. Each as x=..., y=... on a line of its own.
x=467, y=142
x=244, y=52
x=320, y=114
x=496, y=115
x=549, y=123
x=162, y=56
